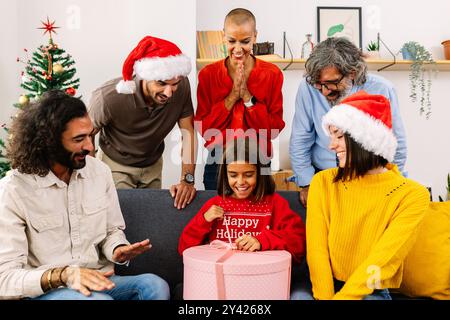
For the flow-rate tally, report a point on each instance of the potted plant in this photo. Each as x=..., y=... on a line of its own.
x=448, y=189
x=446, y=45
x=419, y=55
x=448, y=186
x=373, y=50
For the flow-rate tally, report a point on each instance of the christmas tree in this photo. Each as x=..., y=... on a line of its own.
x=48, y=68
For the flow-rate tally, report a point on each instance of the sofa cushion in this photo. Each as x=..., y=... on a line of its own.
x=426, y=271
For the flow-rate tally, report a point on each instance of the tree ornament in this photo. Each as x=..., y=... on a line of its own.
x=58, y=68
x=49, y=27
x=24, y=100
x=71, y=91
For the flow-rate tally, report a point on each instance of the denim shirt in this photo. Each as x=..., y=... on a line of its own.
x=308, y=144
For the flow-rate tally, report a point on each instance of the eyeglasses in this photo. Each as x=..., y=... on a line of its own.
x=331, y=86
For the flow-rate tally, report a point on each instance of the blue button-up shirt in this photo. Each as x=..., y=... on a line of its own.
x=308, y=145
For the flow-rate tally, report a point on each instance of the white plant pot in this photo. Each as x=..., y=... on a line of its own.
x=373, y=55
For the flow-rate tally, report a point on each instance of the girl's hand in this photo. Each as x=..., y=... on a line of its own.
x=248, y=243
x=213, y=213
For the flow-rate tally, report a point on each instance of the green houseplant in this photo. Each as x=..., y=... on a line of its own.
x=448, y=189
x=373, y=46
x=373, y=50
x=419, y=55
x=448, y=186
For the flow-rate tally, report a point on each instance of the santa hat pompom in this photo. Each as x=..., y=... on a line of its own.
x=126, y=87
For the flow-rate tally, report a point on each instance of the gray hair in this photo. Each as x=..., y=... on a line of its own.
x=336, y=52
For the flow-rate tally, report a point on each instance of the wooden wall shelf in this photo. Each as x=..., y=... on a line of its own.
x=299, y=64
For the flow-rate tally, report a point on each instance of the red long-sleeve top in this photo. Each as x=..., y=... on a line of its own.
x=270, y=220
x=214, y=85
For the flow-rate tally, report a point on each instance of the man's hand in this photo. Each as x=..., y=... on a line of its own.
x=183, y=193
x=247, y=243
x=125, y=253
x=213, y=213
x=86, y=280
x=304, y=195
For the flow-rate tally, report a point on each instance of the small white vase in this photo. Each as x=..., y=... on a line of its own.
x=373, y=55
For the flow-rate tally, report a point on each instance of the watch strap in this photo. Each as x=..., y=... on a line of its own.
x=251, y=102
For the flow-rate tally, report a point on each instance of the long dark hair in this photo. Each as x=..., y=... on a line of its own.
x=36, y=132
x=246, y=149
x=358, y=161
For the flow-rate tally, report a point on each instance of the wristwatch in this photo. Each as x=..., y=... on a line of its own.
x=251, y=102
x=189, y=178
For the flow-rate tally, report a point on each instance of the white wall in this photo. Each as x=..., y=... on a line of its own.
x=9, y=69
x=428, y=144
x=99, y=34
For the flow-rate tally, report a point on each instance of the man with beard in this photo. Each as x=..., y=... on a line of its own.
x=61, y=228
x=135, y=113
x=334, y=70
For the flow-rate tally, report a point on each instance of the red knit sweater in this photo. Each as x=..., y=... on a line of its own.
x=270, y=220
x=214, y=85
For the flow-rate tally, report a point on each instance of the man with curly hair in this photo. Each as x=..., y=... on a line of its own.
x=61, y=228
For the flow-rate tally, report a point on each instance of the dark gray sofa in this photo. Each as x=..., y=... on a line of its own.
x=151, y=214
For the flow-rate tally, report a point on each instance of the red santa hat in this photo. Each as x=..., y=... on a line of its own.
x=153, y=59
x=367, y=119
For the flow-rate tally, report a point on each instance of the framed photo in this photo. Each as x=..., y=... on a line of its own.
x=339, y=22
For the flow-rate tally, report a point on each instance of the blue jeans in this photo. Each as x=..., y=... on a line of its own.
x=210, y=176
x=211, y=171
x=304, y=292
x=142, y=287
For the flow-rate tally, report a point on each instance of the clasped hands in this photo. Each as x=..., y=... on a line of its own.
x=239, y=89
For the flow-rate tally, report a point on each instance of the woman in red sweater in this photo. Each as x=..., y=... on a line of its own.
x=239, y=92
x=247, y=212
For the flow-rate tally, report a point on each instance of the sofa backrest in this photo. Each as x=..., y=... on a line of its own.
x=150, y=213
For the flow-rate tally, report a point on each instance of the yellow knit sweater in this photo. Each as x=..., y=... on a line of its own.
x=360, y=231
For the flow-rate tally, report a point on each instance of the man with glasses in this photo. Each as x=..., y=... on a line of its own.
x=334, y=70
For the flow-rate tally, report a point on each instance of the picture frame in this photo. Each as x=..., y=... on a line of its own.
x=340, y=22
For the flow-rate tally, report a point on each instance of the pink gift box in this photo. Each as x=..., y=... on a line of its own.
x=212, y=273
